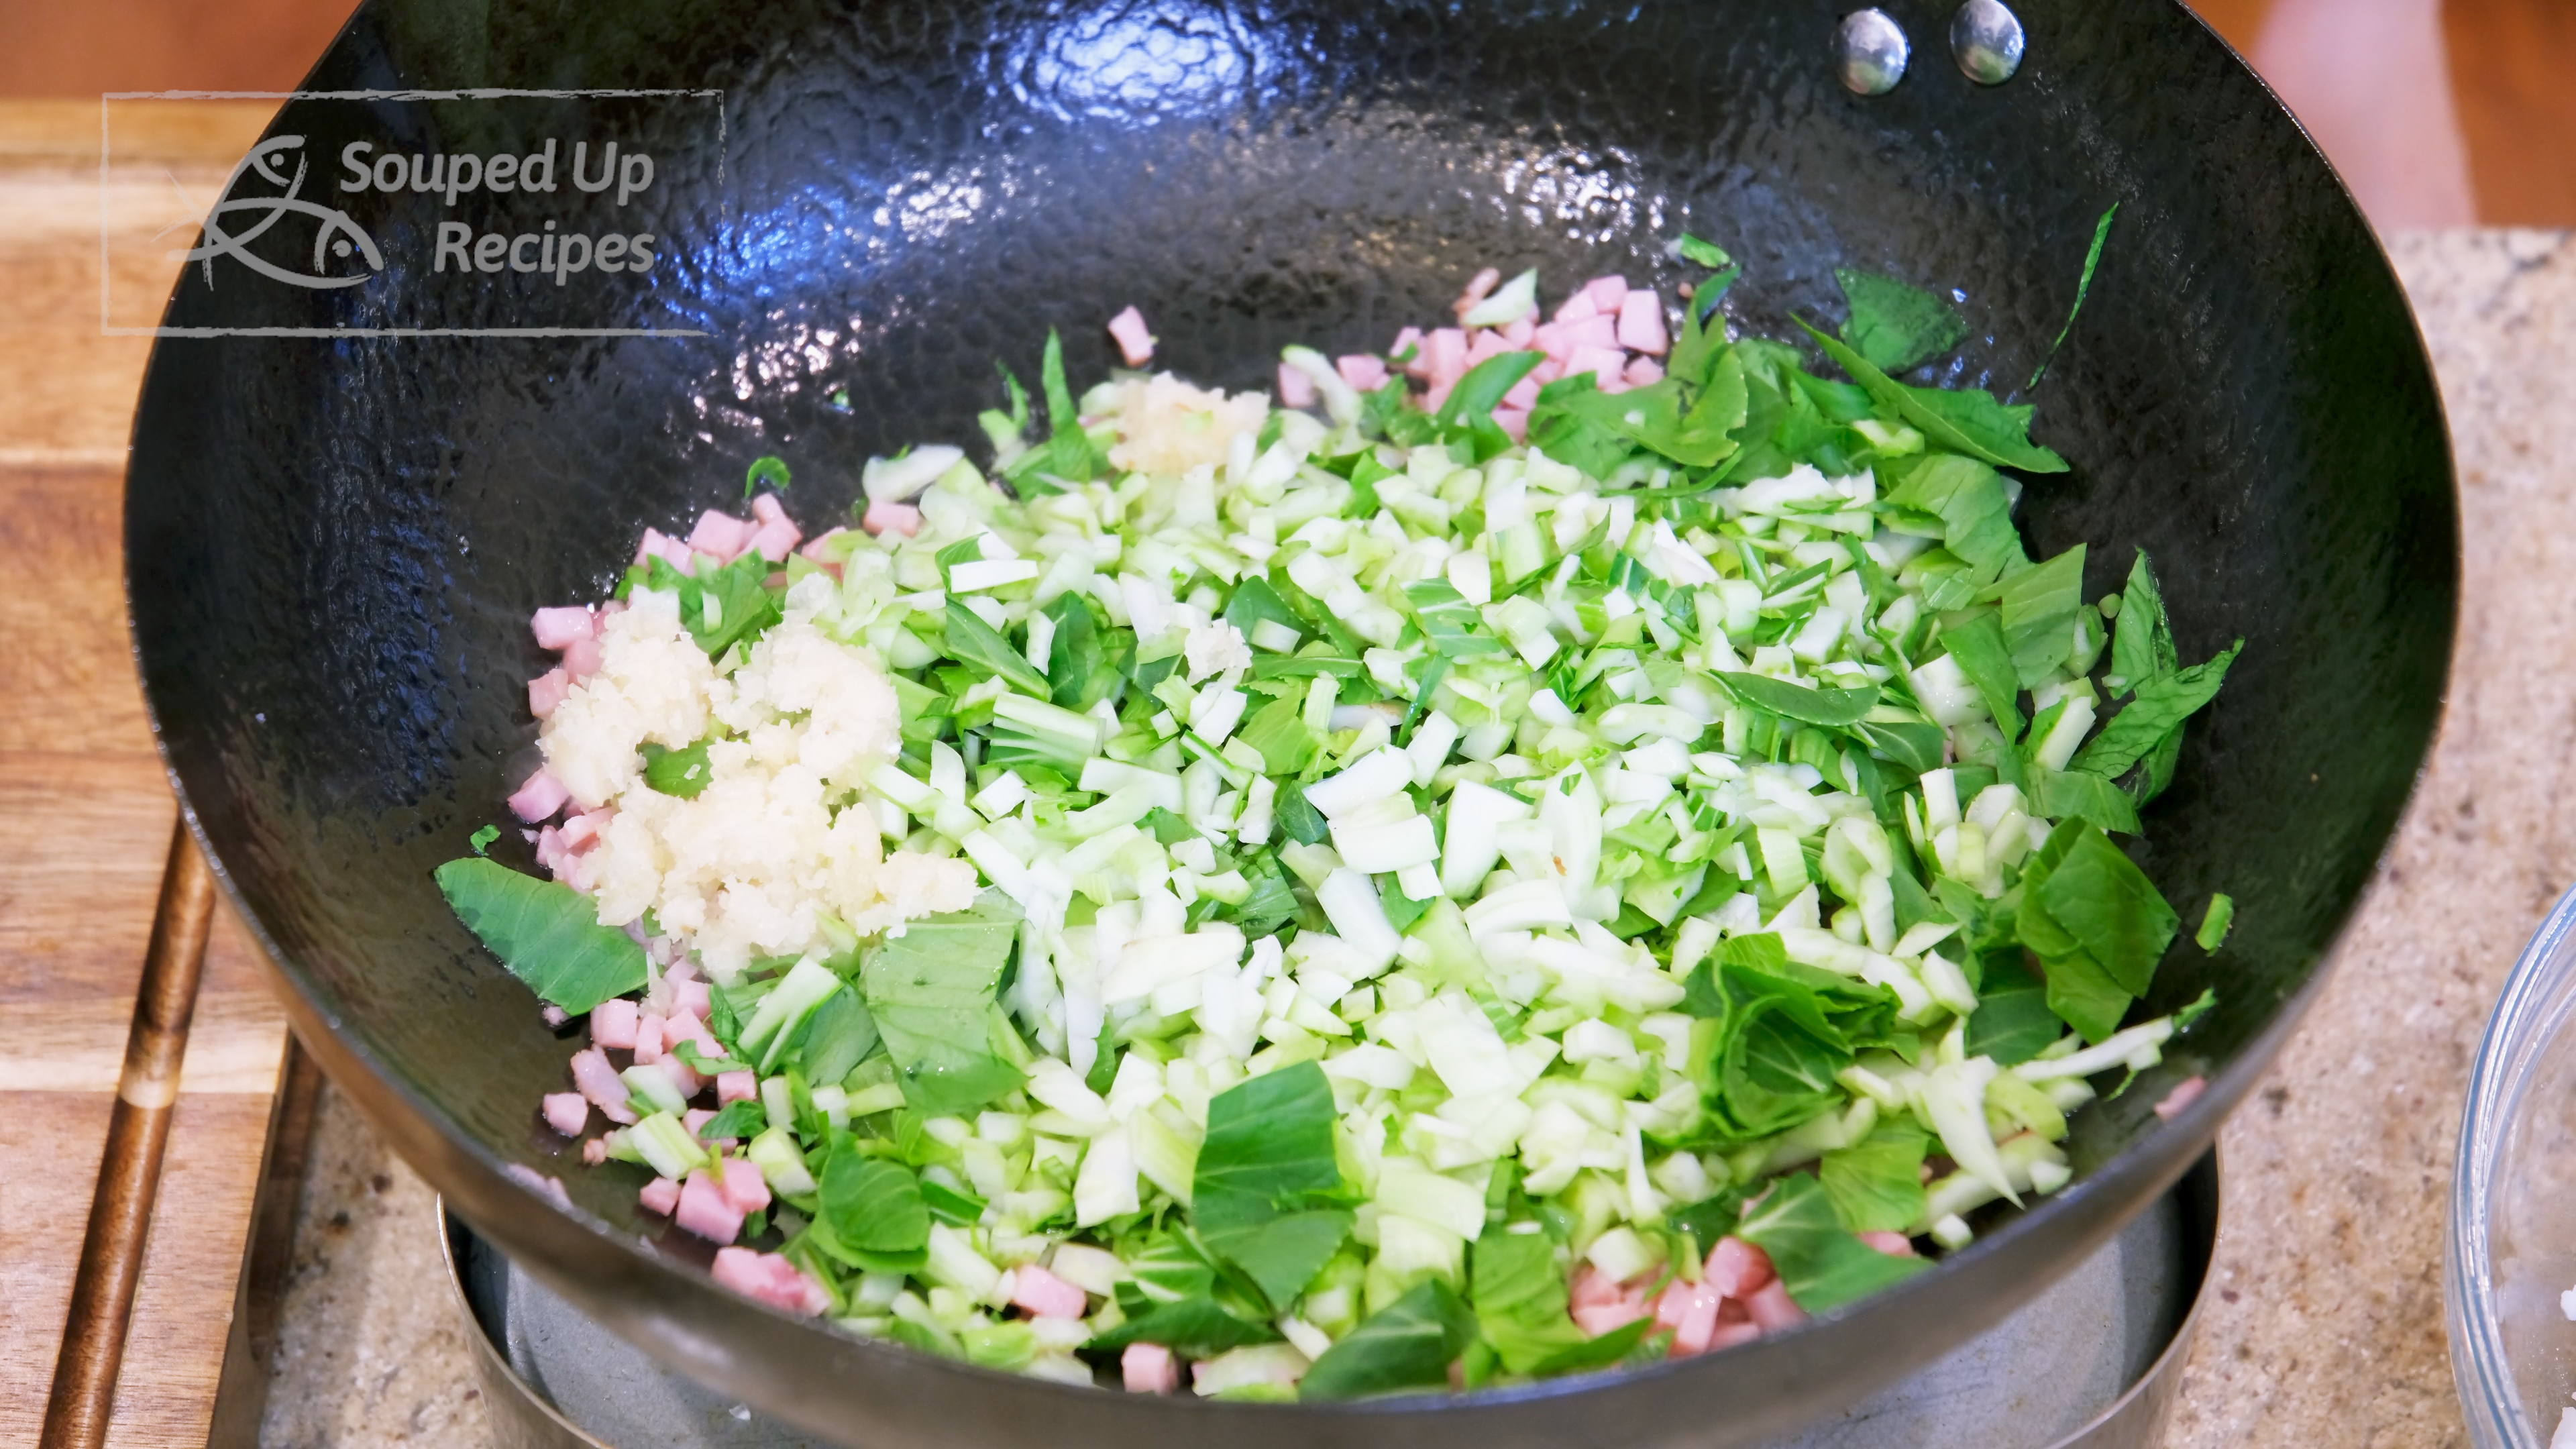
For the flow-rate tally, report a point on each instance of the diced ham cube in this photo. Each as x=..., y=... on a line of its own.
x=683, y=1025
x=553, y=854
x=648, y=1037
x=721, y=534
x=663, y=546
x=1738, y=1268
x=1523, y=395
x=596, y=1079
x=737, y=1086
x=688, y=1082
x=1576, y=308
x=1519, y=331
x=567, y=1112
x=1419, y=363
x=743, y=1186
x=547, y=690
x=770, y=1278
x=691, y=996
x=900, y=518
x=1728, y=1335
x=2185, y=1092
x=1514, y=422
x=1601, y=1305
x=1894, y=1245
x=1446, y=351
x=1596, y=1319
x=581, y=659
x=777, y=535
x=705, y=1211
x=1690, y=1311
x=1771, y=1307
x=1149, y=1368
x=1296, y=389
x=1485, y=347
x=539, y=798
x=1134, y=343
x=1643, y=372
x=1361, y=371
x=695, y=1118
x=614, y=1024
x=595, y=1151
x=1606, y=364
x=1607, y=293
x=661, y=1195
x=1641, y=323
x=1045, y=1295
x=583, y=829
x=558, y=628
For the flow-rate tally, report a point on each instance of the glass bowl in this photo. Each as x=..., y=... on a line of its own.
x=2513, y=1205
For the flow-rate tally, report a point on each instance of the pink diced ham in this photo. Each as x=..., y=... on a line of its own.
x=1690, y=1311
x=777, y=535
x=1361, y=371
x=741, y=1086
x=900, y=518
x=1134, y=343
x=770, y=1278
x=688, y=1082
x=1045, y=1295
x=661, y=1195
x=1523, y=395
x=743, y=1186
x=1641, y=323
x=547, y=690
x=1771, y=1307
x=2185, y=1092
x=1419, y=363
x=1643, y=372
x=1485, y=347
x=1596, y=1319
x=1519, y=331
x=612, y=1023
x=1607, y=293
x=1894, y=1245
x=553, y=1016
x=683, y=1025
x=1149, y=1368
x=695, y=1118
x=1576, y=308
x=1514, y=422
x=1479, y=287
x=1738, y=1268
x=567, y=1112
x=554, y=855
x=705, y=1211
x=690, y=995
x=594, y=1078
x=1445, y=351
x=595, y=1151
x=539, y=798
x=582, y=830
x=721, y=534
x=558, y=628
x=1728, y=1335
x=1600, y=1305
x=581, y=659
x=648, y=1037
x=1604, y=363
x=1296, y=389
x=663, y=546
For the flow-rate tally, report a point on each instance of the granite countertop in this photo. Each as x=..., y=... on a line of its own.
x=2325, y=1320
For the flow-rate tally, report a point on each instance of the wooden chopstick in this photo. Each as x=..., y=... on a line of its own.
x=129, y=1174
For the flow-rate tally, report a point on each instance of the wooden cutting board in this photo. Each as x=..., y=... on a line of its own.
x=85, y=810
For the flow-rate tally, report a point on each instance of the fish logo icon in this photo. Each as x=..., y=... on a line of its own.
x=335, y=234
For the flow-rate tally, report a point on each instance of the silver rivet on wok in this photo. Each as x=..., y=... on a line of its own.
x=1987, y=40
x=1870, y=52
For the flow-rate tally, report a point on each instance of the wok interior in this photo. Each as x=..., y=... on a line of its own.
x=334, y=547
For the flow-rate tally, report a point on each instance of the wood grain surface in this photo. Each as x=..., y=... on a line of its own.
x=89, y=811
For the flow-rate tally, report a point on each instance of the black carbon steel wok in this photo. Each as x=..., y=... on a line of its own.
x=334, y=544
